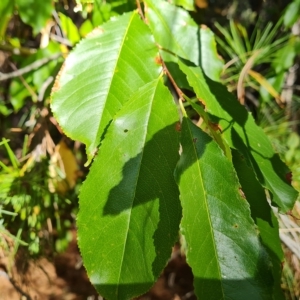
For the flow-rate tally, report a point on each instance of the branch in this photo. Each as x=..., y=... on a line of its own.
x=35, y=65
x=44, y=88
x=177, y=89
x=4, y=274
x=16, y=50
x=138, y=4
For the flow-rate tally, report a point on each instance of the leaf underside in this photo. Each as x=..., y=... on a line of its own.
x=129, y=204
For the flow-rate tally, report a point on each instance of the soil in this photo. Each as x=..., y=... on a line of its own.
x=64, y=278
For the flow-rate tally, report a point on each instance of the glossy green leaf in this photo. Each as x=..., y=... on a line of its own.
x=241, y=133
x=263, y=216
x=100, y=75
x=129, y=204
x=223, y=248
x=35, y=13
x=176, y=31
x=187, y=4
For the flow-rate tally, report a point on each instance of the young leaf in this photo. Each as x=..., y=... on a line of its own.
x=176, y=31
x=100, y=75
x=129, y=204
x=241, y=133
x=223, y=248
x=263, y=216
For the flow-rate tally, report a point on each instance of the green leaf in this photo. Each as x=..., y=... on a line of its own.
x=18, y=94
x=285, y=56
x=217, y=136
x=241, y=133
x=69, y=28
x=35, y=13
x=6, y=11
x=86, y=27
x=176, y=31
x=102, y=12
x=223, y=248
x=263, y=217
x=100, y=75
x=291, y=15
x=187, y=4
x=129, y=204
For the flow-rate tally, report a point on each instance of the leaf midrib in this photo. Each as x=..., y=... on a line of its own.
x=170, y=33
x=135, y=189
x=207, y=208
x=121, y=47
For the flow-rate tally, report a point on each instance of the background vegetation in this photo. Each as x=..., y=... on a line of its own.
x=41, y=170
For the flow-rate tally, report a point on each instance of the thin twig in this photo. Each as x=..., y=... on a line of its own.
x=19, y=289
x=4, y=274
x=57, y=19
x=44, y=88
x=60, y=39
x=177, y=89
x=27, y=86
x=138, y=4
x=35, y=65
x=16, y=50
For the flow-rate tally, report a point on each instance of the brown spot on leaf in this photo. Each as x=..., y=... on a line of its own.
x=56, y=86
x=215, y=126
x=194, y=140
x=202, y=102
x=242, y=193
x=158, y=60
x=289, y=177
x=178, y=126
x=203, y=26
